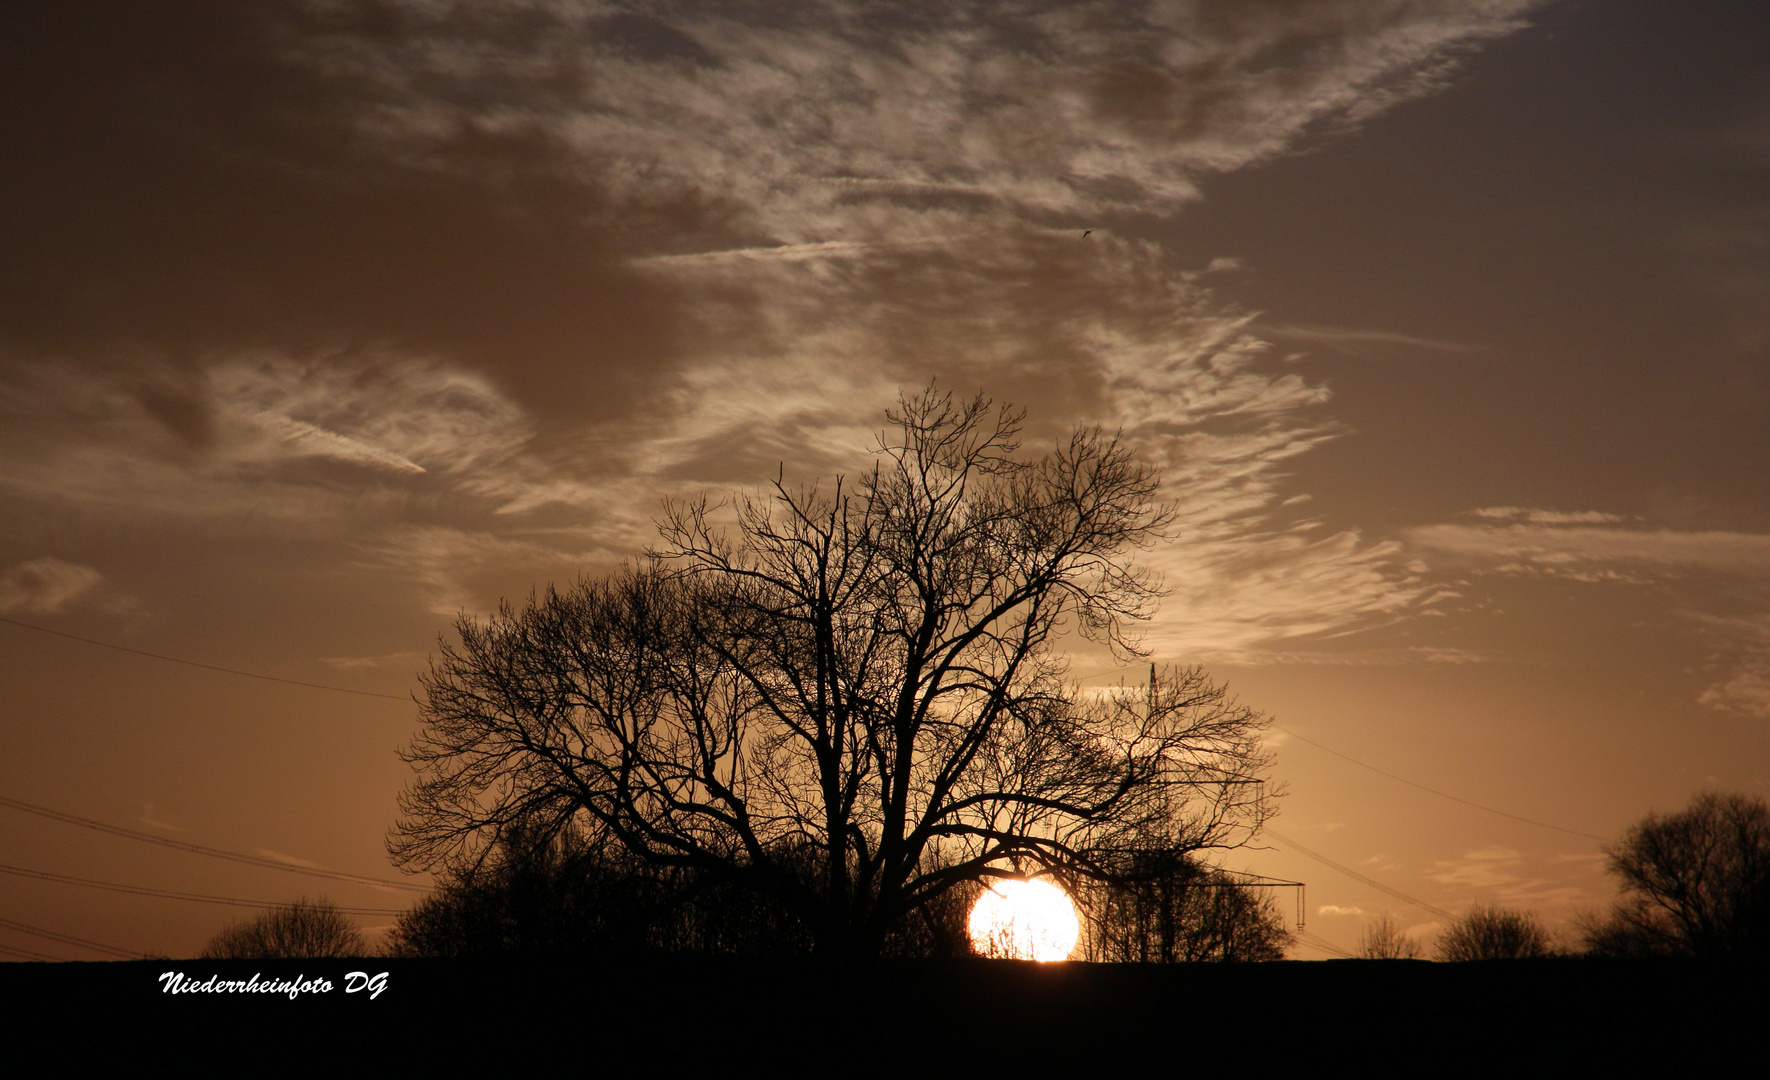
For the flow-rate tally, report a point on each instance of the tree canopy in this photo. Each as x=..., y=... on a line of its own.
x=849, y=699
x=1494, y=933
x=1694, y=883
x=302, y=930
x=1174, y=910
x=1385, y=939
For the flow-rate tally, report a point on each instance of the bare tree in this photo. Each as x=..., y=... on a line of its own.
x=1695, y=883
x=1492, y=933
x=1385, y=940
x=302, y=930
x=1167, y=909
x=851, y=701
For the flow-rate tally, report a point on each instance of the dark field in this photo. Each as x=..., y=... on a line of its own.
x=1567, y=1017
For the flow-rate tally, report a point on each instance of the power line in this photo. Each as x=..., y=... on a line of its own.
x=30, y=954
x=200, y=849
x=1258, y=879
x=206, y=667
x=69, y=939
x=1323, y=944
x=168, y=894
x=1351, y=873
x=1435, y=791
x=1105, y=674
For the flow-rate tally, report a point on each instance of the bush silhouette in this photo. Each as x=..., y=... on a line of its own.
x=301, y=930
x=1384, y=940
x=1491, y=933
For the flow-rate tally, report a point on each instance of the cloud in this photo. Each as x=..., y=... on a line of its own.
x=405, y=661
x=1696, y=573
x=146, y=817
x=1363, y=657
x=1746, y=691
x=114, y=441
x=1547, y=517
x=1335, y=909
x=1742, y=646
x=458, y=570
x=1487, y=868
x=287, y=859
x=1518, y=879
x=514, y=273
x=1343, y=338
x=48, y=586
x=1542, y=544
x=830, y=118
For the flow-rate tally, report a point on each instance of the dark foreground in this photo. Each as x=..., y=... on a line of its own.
x=1572, y=1017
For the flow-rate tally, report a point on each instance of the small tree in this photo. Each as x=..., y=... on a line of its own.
x=850, y=704
x=559, y=895
x=302, y=930
x=1492, y=933
x=1385, y=940
x=1168, y=909
x=1695, y=883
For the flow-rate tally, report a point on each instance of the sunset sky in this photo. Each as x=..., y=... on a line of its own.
x=322, y=322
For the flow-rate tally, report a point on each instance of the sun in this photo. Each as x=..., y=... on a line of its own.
x=1024, y=920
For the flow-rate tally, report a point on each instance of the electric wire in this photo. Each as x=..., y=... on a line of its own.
x=1315, y=942
x=362, y=880
x=169, y=894
x=70, y=939
x=207, y=667
x=1435, y=791
x=31, y=954
x=1104, y=674
x=1351, y=873
x=201, y=849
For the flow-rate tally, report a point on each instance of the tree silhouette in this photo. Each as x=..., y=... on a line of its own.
x=302, y=930
x=1165, y=908
x=1492, y=933
x=1385, y=940
x=556, y=896
x=1694, y=883
x=547, y=895
x=849, y=702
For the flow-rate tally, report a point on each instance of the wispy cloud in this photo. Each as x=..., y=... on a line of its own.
x=1705, y=576
x=1517, y=879
x=146, y=817
x=403, y=661
x=113, y=440
x=1742, y=650
x=290, y=860
x=1546, y=517
x=792, y=117
x=1346, y=337
x=815, y=205
x=1564, y=543
x=49, y=586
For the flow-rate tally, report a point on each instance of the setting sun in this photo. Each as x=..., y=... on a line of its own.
x=1024, y=920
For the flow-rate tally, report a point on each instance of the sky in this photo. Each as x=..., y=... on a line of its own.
x=323, y=322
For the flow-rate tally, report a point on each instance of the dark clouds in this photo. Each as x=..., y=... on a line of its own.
x=189, y=179
x=664, y=246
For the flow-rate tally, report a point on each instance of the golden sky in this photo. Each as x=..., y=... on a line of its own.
x=323, y=321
